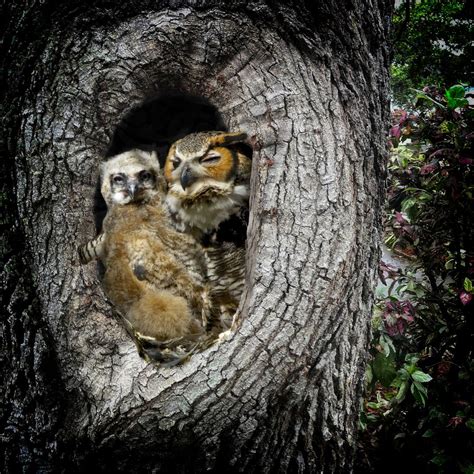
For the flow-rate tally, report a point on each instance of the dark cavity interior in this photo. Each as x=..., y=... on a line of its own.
x=159, y=122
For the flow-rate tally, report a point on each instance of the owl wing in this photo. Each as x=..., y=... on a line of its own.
x=226, y=274
x=92, y=250
x=233, y=231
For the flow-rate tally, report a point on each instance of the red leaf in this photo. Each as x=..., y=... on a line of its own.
x=399, y=218
x=455, y=421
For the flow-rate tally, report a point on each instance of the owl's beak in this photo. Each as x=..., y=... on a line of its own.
x=187, y=177
x=132, y=189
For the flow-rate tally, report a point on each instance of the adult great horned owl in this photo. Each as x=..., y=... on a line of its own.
x=154, y=275
x=208, y=180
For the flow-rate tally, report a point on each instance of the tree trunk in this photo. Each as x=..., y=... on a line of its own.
x=308, y=83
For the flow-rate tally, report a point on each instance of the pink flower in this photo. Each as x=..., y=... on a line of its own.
x=429, y=168
x=465, y=297
x=396, y=131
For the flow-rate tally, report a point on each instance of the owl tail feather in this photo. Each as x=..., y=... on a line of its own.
x=172, y=352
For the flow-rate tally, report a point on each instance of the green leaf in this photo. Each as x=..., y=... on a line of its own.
x=410, y=368
x=402, y=392
x=402, y=376
x=422, y=96
x=468, y=285
x=373, y=405
x=428, y=434
x=457, y=103
x=387, y=345
x=418, y=394
x=407, y=204
x=455, y=97
x=421, y=388
x=425, y=197
x=455, y=92
x=439, y=459
x=412, y=360
x=372, y=417
x=470, y=424
x=384, y=369
x=420, y=376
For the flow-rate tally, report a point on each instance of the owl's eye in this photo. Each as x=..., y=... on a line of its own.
x=175, y=162
x=118, y=179
x=144, y=175
x=211, y=158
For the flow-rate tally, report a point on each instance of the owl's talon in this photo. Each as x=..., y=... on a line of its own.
x=225, y=336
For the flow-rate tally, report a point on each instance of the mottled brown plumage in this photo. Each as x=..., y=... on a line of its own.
x=154, y=275
x=208, y=187
x=226, y=277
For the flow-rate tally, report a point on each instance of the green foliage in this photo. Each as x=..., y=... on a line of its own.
x=432, y=45
x=421, y=377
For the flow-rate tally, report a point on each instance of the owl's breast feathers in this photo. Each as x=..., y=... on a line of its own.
x=130, y=227
x=207, y=205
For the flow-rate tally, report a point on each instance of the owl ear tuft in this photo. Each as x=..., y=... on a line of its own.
x=228, y=138
x=154, y=156
x=147, y=155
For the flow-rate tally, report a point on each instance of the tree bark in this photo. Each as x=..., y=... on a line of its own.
x=309, y=84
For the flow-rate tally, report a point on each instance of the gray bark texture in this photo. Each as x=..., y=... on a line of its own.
x=308, y=82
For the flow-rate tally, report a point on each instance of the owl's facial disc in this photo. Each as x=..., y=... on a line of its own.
x=197, y=168
x=118, y=188
x=126, y=189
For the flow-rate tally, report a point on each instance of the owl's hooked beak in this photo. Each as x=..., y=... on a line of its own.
x=132, y=189
x=187, y=177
